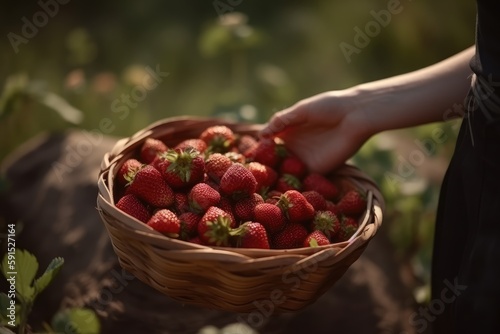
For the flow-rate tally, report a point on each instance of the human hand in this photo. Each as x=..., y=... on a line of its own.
x=324, y=130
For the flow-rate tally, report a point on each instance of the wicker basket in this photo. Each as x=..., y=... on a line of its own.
x=237, y=280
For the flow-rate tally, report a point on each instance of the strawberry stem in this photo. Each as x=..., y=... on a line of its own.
x=181, y=162
x=219, y=231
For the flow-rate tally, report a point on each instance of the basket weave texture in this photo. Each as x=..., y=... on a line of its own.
x=231, y=279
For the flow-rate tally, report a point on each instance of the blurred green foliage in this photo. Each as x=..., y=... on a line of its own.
x=242, y=66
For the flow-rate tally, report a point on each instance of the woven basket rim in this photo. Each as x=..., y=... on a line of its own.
x=124, y=148
x=226, y=278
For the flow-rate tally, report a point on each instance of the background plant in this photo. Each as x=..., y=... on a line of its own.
x=70, y=321
x=244, y=67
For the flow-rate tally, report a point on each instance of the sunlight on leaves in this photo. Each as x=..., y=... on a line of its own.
x=53, y=268
x=76, y=320
x=26, y=266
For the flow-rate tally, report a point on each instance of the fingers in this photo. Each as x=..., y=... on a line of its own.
x=283, y=120
x=321, y=159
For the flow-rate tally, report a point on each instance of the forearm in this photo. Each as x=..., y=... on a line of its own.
x=414, y=98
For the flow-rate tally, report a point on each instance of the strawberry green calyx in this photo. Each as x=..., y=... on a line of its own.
x=280, y=148
x=127, y=171
x=239, y=231
x=326, y=222
x=284, y=204
x=292, y=181
x=181, y=162
x=350, y=230
x=295, y=207
x=235, y=157
x=218, y=231
x=219, y=138
x=129, y=177
x=250, y=235
x=220, y=144
x=195, y=207
x=313, y=243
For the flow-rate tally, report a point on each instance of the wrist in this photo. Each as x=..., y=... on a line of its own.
x=368, y=106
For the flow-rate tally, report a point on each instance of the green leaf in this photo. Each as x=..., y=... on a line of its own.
x=75, y=321
x=52, y=269
x=26, y=266
x=62, y=107
x=4, y=311
x=13, y=92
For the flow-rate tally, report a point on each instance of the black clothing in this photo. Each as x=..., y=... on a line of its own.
x=466, y=258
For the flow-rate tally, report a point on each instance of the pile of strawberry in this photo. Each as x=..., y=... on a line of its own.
x=224, y=189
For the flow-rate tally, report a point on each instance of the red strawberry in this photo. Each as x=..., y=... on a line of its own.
x=151, y=148
x=181, y=168
x=201, y=197
x=273, y=196
x=288, y=182
x=348, y=227
x=236, y=157
x=272, y=200
x=251, y=235
x=189, y=225
x=246, y=142
x=272, y=177
x=269, y=152
x=181, y=203
x=216, y=165
x=131, y=205
x=238, y=182
x=293, y=165
x=166, y=222
x=212, y=184
x=292, y=236
x=198, y=144
x=352, y=204
x=270, y=216
x=127, y=171
x=219, y=138
x=244, y=208
x=317, y=201
x=227, y=207
x=330, y=206
x=315, y=239
x=295, y=207
x=327, y=223
x=148, y=185
x=264, y=175
x=214, y=227
x=321, y=184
